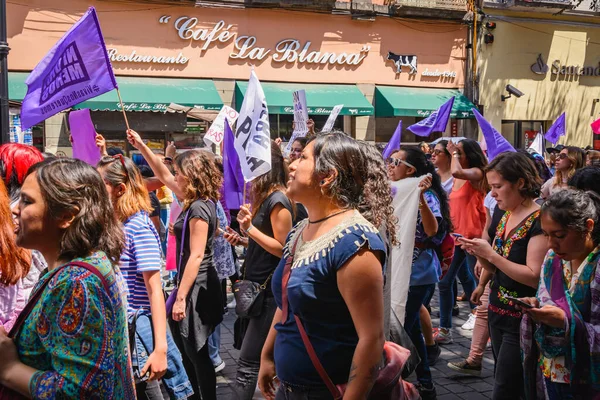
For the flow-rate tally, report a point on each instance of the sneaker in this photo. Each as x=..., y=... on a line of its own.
x=232, y=304
x=433, y=353
x=220, y=367
x=488, y=346
x=455, y=310
x=463, y=367
x=470, y=324
x=443, y=336
x=427, y=393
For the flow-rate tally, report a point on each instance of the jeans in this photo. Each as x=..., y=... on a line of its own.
x=249, y=361
x=214, y=343
x=417, y=295
x=289, y=392
x=164, y=219
x=558, y=391
x=175, y=379
x=461, y=266
x=508, y=370
x=149, y=390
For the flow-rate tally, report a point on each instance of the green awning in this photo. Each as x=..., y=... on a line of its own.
x=320, y=98
x=140, y=94
x=397, y=101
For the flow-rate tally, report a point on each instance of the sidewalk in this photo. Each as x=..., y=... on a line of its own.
x=449, y=385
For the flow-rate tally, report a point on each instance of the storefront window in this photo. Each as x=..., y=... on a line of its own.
x=521, y=133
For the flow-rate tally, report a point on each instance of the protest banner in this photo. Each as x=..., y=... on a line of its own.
x=436, y=122
x=83, y=136
x=300, y=119
x=332, y=117
x=215, y=133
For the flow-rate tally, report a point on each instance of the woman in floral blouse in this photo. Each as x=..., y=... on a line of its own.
x=73, y=344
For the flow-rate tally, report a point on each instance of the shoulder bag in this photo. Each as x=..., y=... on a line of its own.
x=388, y=384
x=170, y=299
x=9, y=394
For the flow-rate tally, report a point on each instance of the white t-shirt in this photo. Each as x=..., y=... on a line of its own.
x=490, y=203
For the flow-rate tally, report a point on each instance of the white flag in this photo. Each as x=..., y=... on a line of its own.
x=332, y=117
x=253, y=136
x=217, y=129
x=538, y=144
x=300, y=119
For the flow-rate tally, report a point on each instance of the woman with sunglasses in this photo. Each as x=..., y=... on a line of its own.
x=442, y=160
x=73, y=342
x=140, y=265
x=198, y=305
x=569, y=160
x=468, y=217
x=559, y=333
x=432, y=227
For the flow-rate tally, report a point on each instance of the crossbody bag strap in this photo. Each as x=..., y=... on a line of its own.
x=38, y=293
x=181, y=245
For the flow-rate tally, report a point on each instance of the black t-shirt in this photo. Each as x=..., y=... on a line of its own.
x=259, y=263
x=206, y=211
x=155, y=203
x=514, y=248
x=301, y=213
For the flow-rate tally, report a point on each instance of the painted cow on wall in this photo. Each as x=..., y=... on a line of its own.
x=403, y=61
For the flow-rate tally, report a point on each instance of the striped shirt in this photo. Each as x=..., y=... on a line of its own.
x=141, y=254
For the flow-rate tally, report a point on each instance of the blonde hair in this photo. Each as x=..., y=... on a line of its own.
x=577, y=158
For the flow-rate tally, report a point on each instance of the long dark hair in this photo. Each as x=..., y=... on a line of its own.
x=423, y=166
x=269, y=182
x=587, y=178
x=572, y=208
x=476, y=159
x=73, y=186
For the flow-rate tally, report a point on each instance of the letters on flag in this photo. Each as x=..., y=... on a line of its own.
x=436, y=122
x=253, y=136
x=217, y=128
x=300, y=119
x=332, y=117
x=77, y=68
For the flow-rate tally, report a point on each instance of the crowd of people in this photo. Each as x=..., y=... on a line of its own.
x=84, y=311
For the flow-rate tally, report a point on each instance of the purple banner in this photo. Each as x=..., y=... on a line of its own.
x=496, y=143
x=436, y=122
x=233, y=179
x=83, y=135
x=558, y=129
x=394, y=143
x=77, y=68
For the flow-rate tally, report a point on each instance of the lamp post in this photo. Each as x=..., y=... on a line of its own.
x=4, y=117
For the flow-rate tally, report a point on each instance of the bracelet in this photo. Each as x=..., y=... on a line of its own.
x=249, y=228
x=168, y=160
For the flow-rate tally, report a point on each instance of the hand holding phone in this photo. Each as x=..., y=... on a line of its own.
x=519, y=302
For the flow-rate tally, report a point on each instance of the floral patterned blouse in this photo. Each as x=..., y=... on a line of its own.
x=76, y=336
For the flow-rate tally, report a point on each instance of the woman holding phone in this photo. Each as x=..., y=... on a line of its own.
x=514, y=258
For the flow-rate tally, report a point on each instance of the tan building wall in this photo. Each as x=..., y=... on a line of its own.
x=509, y=60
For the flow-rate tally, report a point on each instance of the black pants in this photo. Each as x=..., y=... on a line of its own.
x=508, y=371
x=249, y=362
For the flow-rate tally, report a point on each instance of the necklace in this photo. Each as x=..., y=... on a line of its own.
x=327, y=217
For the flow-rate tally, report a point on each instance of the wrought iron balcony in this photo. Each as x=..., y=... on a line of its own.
x=455, y=5
x=549, y=6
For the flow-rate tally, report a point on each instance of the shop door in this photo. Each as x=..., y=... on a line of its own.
x=521, y=133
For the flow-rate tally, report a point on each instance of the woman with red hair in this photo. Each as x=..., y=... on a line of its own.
x=15, y=161
x=14, y=265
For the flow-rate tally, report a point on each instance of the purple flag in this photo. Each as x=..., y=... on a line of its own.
x=436, y=122
x=558, y=129
x=83, y=135
x=77, y=68
x=496, y=143
x=394, y=143
x=233, y=179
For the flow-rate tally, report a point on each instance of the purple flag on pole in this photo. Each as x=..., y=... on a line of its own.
x=77, y=68
x=496, y=143
x=436, y=122
x=558, y=129
x=394, y=143
x=233, y=179
x=83, y=135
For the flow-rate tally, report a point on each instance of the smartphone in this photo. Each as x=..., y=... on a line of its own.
x=519, y=302
x=457, y=235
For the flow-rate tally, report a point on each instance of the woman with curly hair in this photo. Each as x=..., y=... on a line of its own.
x=266, y=227
x=330, y=280
x=569, y=160
x=198, y=305
x=14, y=265
x=73, y=341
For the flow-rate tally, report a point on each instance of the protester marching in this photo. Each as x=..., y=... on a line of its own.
x=122, y=274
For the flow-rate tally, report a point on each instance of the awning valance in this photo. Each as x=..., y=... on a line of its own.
x=320, y=98
x=398, y=101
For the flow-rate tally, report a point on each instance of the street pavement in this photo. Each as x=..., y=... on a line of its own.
x=449, y=385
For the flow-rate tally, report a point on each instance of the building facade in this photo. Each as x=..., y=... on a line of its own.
x=383, y=62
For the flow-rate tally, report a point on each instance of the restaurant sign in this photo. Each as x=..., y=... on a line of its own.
x=246, y=47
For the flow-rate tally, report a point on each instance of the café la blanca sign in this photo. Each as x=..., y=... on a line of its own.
x=247, y=48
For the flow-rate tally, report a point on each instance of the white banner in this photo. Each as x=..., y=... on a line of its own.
x=332, y=117
x=253, y=136
x=300, y=119
x=217, y=129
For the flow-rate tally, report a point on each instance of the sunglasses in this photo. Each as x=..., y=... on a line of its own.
x=562, y=156
x=437, y=152
x=396, y=161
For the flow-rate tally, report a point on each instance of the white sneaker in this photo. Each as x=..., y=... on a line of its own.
x=220, y=367
x=232, y=304
x=470, y=324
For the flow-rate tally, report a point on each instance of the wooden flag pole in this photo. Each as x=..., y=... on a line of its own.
x=123, y=109
x=244, y=195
